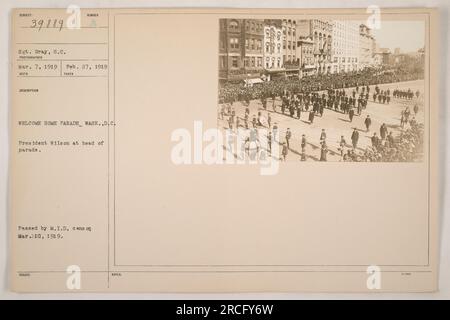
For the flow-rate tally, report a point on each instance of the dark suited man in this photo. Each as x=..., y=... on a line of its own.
x=368, y=122
x=355, y=138
x=351, y=113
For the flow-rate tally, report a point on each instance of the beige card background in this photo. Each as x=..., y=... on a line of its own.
x=161, y=227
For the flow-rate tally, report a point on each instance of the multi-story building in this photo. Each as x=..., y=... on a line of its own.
x=366, y=46
x=382, y=57
x=377, y=59
x=273, y=50
x=321, y=33
x=240, y=49
x=290, y=62
x=387, y=54
x=289, y=41
x=305, y=56
x=345, y=47
x=407, y=58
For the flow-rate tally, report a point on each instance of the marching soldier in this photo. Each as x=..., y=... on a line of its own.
x=355, y=138
x=368, y=122
x=303, y=143
x=375, y=140
x=303, y=154
x=390, y=139
x=288, y=136
x=311, y=116
x=323, y=135
x=351, y=113
x=323, y=151
x=284, y=151
x=383, y=131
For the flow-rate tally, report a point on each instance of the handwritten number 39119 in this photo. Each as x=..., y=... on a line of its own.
x=47, y=24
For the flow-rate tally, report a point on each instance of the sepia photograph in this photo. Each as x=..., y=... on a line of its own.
x=322, y=89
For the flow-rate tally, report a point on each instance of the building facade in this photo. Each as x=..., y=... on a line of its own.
x=273, y=45
x=382, y=57
x=345, y=48
x=377, y=59
x=240, y=49
x=305, y=56
x=289, y=41
x=366, y=46
x=252, y=48
x=321, y=33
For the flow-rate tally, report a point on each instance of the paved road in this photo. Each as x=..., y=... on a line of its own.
x=336, y=124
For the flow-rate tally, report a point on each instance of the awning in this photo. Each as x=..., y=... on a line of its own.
x=309, y=66
x=252, y=81
x=275, y=70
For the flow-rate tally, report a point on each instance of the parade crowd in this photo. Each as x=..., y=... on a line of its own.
x=232, y=92
x=313, y=97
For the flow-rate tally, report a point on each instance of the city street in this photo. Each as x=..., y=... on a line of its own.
x=336, y=124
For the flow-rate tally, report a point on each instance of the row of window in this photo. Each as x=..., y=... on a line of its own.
x=234, y=43
x=308, y=61
x=256, y=44
x=347, y=44
x=273, y=59
x=290, y=31
x=318, y=24
x=344, y=68
x=269, y=32
x=307, y=49
x=290, y=45
x=249, y=62
x=321, y=37
x=253, y=62
x=270, y=47
x=272, y=64
x=289, y=58
x=250, y=44
x=344, y=60
x=253, y=44
x=257, y=26
x=250, y=25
